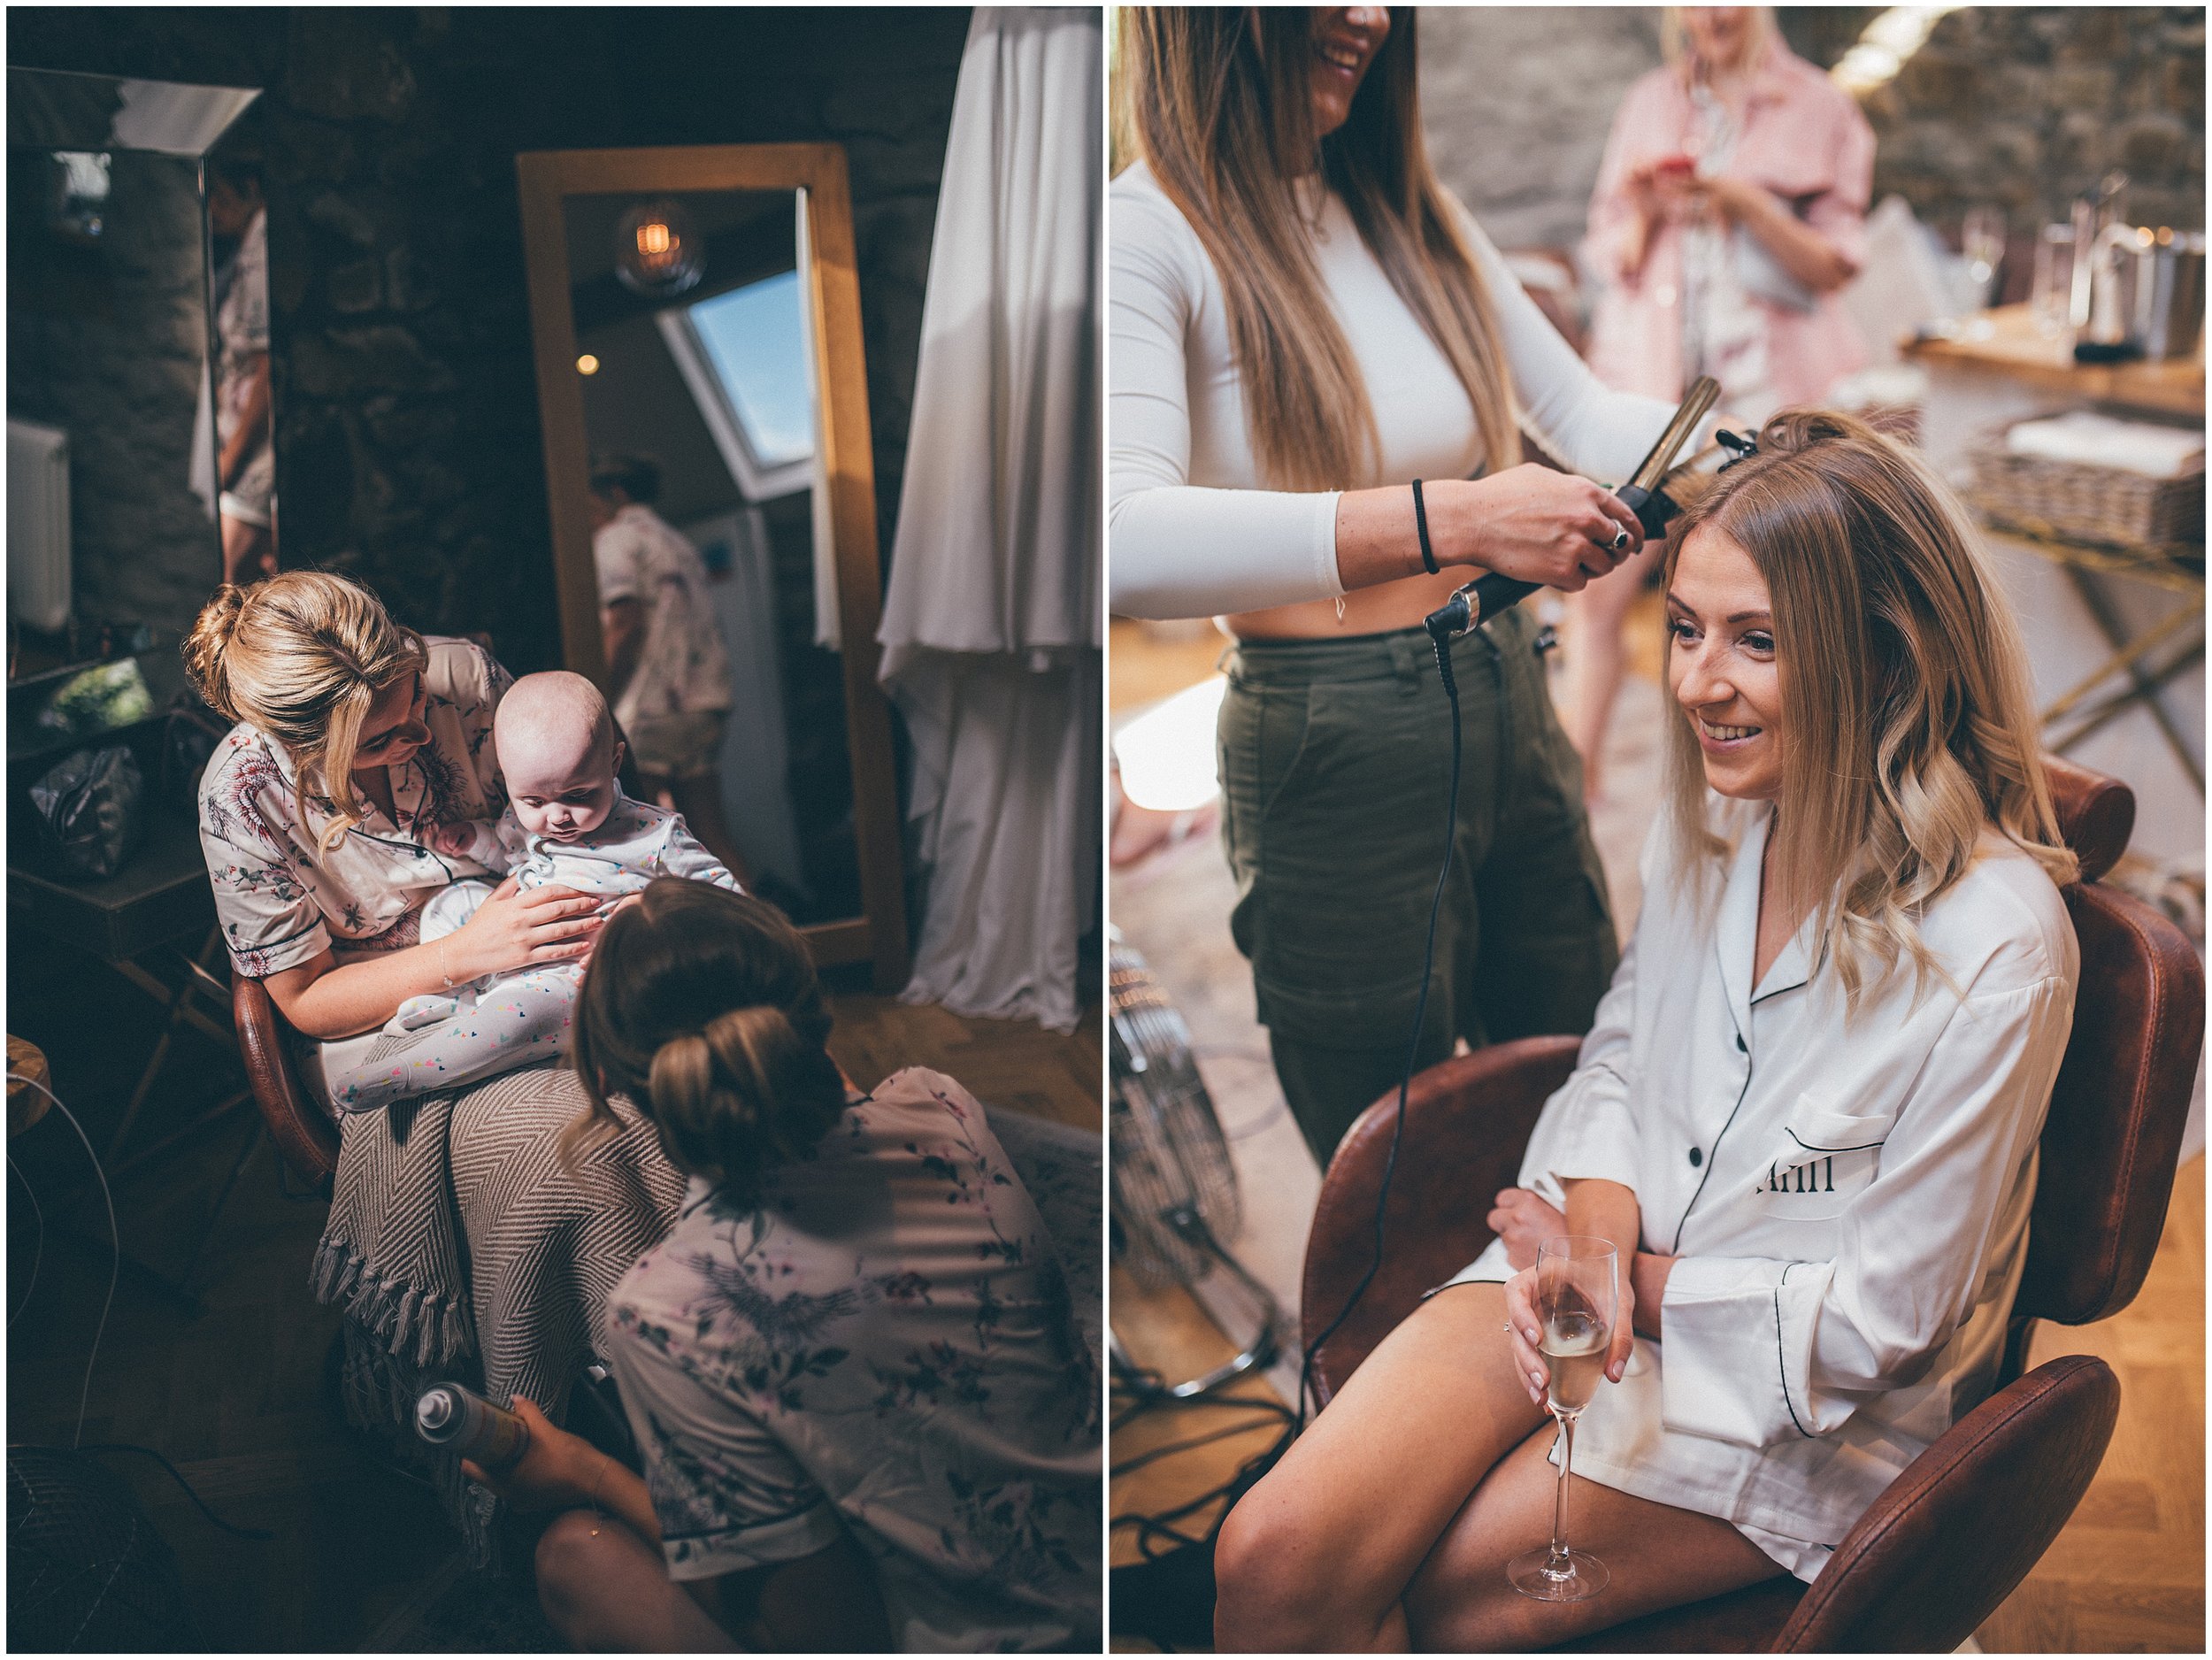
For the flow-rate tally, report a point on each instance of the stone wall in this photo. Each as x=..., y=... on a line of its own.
x=1515, y=103
x=408, y=441
x=108, y=341
x=2025, y=108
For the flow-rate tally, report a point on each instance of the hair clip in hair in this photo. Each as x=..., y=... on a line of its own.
x=1738, y=446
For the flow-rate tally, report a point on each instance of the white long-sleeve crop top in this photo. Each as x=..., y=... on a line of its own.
x=1192, y=530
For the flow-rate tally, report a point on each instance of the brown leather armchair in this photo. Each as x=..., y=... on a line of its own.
x=303, y=1132
x=1954, y=1534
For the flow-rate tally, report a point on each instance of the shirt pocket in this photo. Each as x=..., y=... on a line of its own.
x=1821, y=1160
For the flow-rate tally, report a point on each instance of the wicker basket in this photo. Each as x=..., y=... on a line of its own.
x=2104, y=506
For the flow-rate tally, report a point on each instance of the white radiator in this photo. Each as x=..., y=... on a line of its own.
x=38, y=524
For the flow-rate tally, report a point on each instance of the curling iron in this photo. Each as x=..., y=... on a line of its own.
x=1480, y=600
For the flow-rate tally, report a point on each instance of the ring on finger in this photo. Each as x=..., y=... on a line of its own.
x=1620, y=539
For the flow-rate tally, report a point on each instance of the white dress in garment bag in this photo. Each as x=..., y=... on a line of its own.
x=991, y=624
x=1849, y=1201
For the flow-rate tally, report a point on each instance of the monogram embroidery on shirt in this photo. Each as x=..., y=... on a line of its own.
x=1816, y=1176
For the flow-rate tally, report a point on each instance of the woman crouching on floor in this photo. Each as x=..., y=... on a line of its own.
x=1852, y=950
x=867, y=1416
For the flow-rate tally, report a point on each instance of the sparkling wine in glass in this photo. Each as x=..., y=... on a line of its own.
x=1577, y=1299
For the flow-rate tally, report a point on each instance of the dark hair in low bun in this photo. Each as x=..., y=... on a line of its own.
x=701, y=1007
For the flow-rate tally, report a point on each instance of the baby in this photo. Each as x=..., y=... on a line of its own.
x=567, y=825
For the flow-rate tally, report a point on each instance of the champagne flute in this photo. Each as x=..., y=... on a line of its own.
x=2054, y=279
x=1982, y=240
x=1578, y=1299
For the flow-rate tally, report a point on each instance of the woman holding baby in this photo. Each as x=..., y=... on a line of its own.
x=456, y=1237
x=375, y=781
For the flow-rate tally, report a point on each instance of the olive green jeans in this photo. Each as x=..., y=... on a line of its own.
x=1335, y=758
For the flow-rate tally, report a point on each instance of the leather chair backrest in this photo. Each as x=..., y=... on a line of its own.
x=2114, y=1132
x=1949, y=1539
x=305, y=1137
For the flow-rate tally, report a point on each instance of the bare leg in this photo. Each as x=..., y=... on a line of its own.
x=1659, y=1558
x=700, y=801
x=606, y=1590
x=1318, y=1554
x=1596, y=659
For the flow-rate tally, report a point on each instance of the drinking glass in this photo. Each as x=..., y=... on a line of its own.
x=1982, y=240
x=1577, y=1299
x=2054, y=279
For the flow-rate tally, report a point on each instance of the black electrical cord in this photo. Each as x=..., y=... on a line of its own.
x=176, y=1475
x=1441, y=637
x=38, y=1253
x=1158, y=1527
x=1160, y=1524
x=1265, y=1410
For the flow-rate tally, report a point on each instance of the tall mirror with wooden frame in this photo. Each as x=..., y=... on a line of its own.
x=696, y=319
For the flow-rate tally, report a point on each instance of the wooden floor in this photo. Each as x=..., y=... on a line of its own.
x=1004, y=1062
x=1168, y=1332
x=236, y=1393
x=2126, y=1576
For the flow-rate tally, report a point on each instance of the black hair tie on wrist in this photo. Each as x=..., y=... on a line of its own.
x=1421, y=524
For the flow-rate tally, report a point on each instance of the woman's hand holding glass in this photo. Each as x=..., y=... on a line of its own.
x=1526, y=1324
x=1662, y=189
x=1577, y=1305
x=514, y=928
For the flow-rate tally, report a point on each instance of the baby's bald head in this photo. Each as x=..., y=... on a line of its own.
x=557, y=752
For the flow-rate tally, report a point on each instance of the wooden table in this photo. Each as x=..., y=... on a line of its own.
x=2009, y=342
x=2115, y=637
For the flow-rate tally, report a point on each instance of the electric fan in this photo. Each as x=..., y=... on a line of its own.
x=86, y=1572
x=1174, y=1189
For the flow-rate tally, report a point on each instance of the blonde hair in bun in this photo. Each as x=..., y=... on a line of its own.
x=701, y=1007
x=302, y=657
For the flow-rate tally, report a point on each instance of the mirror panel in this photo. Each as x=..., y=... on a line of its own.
x=698, y=353
x=703, y=374
x=113, y=536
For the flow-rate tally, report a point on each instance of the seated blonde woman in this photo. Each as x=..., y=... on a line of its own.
x=456, y=1238
x=1807, y=1116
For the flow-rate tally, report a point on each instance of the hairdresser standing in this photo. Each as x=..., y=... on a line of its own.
x=1303, y=324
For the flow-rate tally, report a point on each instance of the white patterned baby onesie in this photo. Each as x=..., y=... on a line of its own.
x=436, y=1044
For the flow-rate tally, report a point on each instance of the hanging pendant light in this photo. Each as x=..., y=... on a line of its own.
x=657, y=251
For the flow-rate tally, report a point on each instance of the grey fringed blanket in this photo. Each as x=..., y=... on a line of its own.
x=459, y=1247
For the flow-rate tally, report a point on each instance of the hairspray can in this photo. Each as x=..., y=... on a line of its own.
x=464, y=1422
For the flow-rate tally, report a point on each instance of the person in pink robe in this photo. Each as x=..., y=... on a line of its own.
x=1729, y=213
